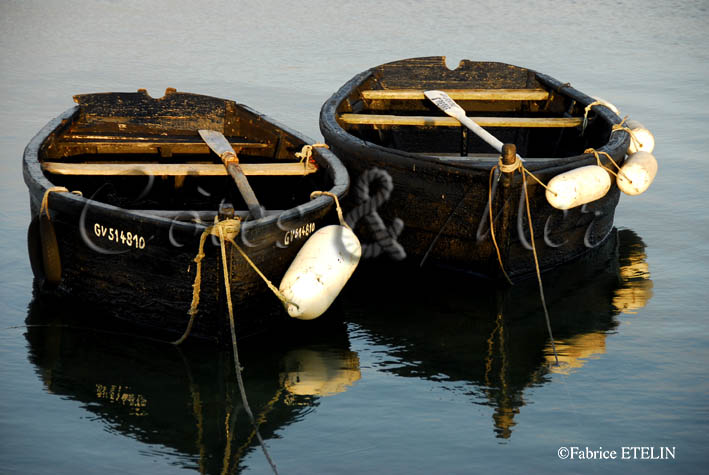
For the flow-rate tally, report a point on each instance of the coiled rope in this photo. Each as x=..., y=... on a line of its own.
x=511, y=168
x=306, y=154
x=384, y=236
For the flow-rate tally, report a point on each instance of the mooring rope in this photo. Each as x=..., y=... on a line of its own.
x=237, y=364
x=492, y=225
x=511, y=168
x=226, y=231
x=536, y=265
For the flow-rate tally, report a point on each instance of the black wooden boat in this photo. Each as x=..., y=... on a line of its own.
x=149, y=186
x=430, y=177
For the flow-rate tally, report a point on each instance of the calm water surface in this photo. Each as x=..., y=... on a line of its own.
x=410, y=374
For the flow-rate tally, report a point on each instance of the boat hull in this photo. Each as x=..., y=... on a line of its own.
x=444, y=201
x=140, y=267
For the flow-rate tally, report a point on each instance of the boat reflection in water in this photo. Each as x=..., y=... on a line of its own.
x=437, y=326
x=458, y=331
x=187, y=398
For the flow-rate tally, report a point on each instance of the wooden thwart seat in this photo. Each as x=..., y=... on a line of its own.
x=76, y=144
x=176, y=169
x=418, y=120
x=460, y=94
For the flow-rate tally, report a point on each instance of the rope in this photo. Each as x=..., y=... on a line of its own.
x=585, y=114
x=44, y=207
x=226, y=231
x=511, y=168
x=598, y=154
x=306, y=154
x=517, y=165
x=307, y=151
x=539, y=274
x=315, y=194
x=385, y=237
x=633, y=137
x=237, y=365
x=492, y=225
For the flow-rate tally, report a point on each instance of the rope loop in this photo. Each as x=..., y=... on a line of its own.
x=598, y=154
x=512, y=167
x=307, y=151
x=44, y=207
x=586, y=110
x=315, y=194
x=633, y=137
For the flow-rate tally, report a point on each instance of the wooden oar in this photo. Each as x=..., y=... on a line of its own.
x=219, y=145
x=451, y=108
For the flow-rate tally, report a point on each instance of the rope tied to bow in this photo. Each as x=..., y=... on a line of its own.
x=517, y=165
x=226, y=231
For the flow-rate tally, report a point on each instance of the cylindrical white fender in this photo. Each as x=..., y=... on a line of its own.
x=643, y=135
x=637, y=173
x=320, y=270
x=609, y=105
x=578, y=186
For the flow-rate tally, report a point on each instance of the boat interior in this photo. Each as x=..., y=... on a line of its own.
x=541, y=122
x=164, y=168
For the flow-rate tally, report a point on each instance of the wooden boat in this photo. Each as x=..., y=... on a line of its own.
x=143, y=186
x=439, y=172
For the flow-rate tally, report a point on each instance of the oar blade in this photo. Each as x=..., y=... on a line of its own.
x=445, y=103
x=217, y=142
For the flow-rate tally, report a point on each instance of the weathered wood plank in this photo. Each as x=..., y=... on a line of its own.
x=176, y=169
x=460, y=94
x=136, y=145
x=418, y=120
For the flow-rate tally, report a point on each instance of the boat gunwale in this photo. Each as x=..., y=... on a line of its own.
x=70, y=203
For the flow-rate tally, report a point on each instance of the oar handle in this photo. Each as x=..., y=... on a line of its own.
x=451, y=108
x=480, y=132
x=219, y=145
x=245, y=189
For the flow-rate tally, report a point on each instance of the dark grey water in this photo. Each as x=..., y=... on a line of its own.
x=415, y=375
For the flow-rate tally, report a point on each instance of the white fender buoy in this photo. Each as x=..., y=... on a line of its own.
x=637, y=173
x=643, y=135
x=320, y=270
x=578, y=186
x=609, y=105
